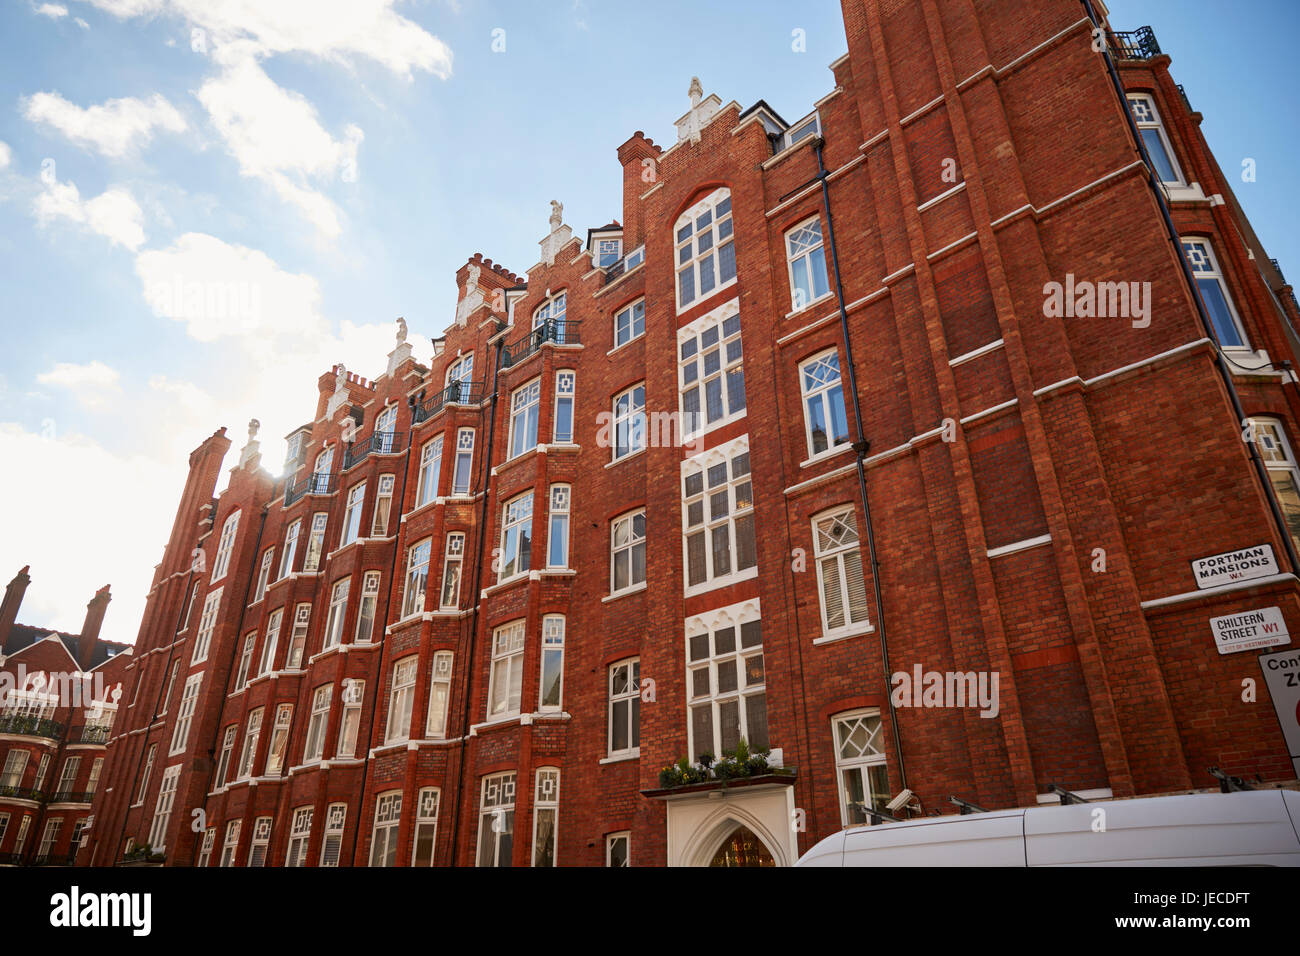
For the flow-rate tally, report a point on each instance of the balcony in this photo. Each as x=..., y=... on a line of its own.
x=457, y=393
x=11, y=859
x=56, y=859
x=26, y=725
x=552, y=332
x=73, y=796
x=21, y=793
x=90, y=734
x=317, y=484
x=626, y=264
x=379, y=443
x=1139, y=44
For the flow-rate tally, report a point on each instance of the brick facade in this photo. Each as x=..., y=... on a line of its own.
x=1038, y=485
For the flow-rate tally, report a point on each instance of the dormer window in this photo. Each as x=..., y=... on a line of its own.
x=608, y=252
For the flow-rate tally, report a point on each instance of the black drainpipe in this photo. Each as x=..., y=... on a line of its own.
x=1221, y=361
x=467, y=661
x=860, y=446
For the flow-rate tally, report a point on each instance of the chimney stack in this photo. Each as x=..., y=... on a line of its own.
x=13, y=599
x=90, y=629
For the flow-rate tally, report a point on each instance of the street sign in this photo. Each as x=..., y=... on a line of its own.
x=1249, y=630
x=1233, y=566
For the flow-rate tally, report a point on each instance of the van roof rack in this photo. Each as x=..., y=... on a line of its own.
x=966, y=806
x=1066, y=796
x=1227, y=782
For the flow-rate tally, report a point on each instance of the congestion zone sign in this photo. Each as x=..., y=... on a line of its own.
x=1282, y=675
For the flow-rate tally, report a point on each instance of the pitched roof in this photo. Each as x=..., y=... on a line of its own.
x=23, y=636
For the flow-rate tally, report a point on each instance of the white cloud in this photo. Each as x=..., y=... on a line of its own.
x=81, y=23
x=113, y=214
x=221, y=290
x=276, y=136
x=336, y=30
x=52, y=10
x=94, y=374
x=6, y=155
x=114, y=128
x=89, y=487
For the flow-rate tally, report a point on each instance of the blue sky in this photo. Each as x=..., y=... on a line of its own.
x=342, y=160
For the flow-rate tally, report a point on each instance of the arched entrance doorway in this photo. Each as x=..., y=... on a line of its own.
x=742, y=848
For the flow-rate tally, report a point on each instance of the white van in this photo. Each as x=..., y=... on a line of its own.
x=1248, y=828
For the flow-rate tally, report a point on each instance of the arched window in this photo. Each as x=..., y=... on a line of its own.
x=226, y=545
x=706, y=250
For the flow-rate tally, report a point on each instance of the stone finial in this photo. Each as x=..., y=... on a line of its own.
x=401, y=330
x=557, y=215
x=696, y=92
x=253, y=426
x=340, y=378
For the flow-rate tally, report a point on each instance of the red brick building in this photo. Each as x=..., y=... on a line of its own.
x=947, y=376
x=59, y=695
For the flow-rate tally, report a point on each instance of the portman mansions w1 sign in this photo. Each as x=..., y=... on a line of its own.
x=1249, y=630
x=1233, y=566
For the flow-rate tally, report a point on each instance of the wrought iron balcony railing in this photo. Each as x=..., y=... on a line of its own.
x=1139, y=44
x=21, y=793
x=28, y=726
x=552, y=331
x=55, y=859
x=72, y=796
x=380, y=443
x=316, y=484
x=11, y=859
x=457, y=393
x=626, y=264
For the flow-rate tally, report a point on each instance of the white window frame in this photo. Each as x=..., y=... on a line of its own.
x=626, y=321
x=270, y=641
x=557, y=533
x=338, y=612
x=496, y=818
x=453, y=565
x=331, y=844
x=1204, y=264
x=252, y=735
x=229, y=532
x=626, y=523
x=628, y=426
x=505, y=683
x=546, y=809
x=525, y=412
x=352, y=514
x=552, y=310
x=245, y=661
x=185, y=714
x=687, y=255
x=298, y=637
x=162, y=809
x=313, y=749
x=367, y=609
x=261, y=842
x=264, y=574
x=435, y=722
x=842, y=557
x=430, y=471
x=207, y=624
x=416, y=581
x=461, y=370
x=463, y=472
x=401, y=700
x=227, y=751
x=143, y=790
x=566, y=396
x=230, y=843
x=388, y=822
x=552, y=655
x=611, y=839
x=807, y=254
x=731, y=456
x=861, y=764
x=299, y=836
x=279, y=739
x=719, y=675
x=383, y=506
x=354, y=692
x=428, y=801
x=822, y=393
x=716, y=333
x=316, y=541
x=516, y=523
x=1146, y=116
x=623, y=683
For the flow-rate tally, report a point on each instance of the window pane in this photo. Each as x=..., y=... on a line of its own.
x=1220, y=314
x=1159, y=158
